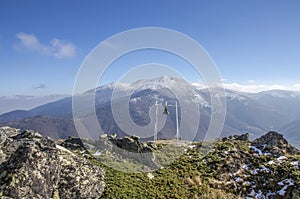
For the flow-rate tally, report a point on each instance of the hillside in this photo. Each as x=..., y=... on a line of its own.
x=292, y=132
x=53, y=127
x=231, y=167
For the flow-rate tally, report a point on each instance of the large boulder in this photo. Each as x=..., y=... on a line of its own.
x=132, y=144
x=38, y=168
x=128, y=147
x=73, y=143
x=11, y=139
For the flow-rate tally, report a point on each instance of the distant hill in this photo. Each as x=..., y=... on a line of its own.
x=55, y=128
x=18, y=102
x=292, y=131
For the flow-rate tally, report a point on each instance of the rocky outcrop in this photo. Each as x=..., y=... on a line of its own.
x=7, y=146
x=73, y=143
x=264, y=168
x=242, y=137
x=133, y=144
x=128, y=147
x=274, y=141
x=33, y=166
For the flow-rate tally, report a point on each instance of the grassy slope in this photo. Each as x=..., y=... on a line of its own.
x=196, y=176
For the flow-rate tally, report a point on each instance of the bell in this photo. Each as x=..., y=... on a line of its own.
x=166, y=112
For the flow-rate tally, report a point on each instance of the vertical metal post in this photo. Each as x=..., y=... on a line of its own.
x=155, y=126
x=177, y=130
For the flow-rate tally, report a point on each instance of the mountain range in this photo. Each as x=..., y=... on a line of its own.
x=253, y=113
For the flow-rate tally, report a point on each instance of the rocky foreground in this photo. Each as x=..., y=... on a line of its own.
x=32, y=166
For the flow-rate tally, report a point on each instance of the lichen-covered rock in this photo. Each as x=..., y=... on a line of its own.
x=7, y=144
x=128, y=148
x=73, y=143
x=132, y=144
x=275, y=141
x=264, y=168
x=243, y=137
x=38, y=168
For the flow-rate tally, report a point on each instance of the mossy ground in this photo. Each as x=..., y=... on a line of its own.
x=195, y=173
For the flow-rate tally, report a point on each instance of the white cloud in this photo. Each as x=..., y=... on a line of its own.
x=297, y=86
x=63, y=49
x=255, y=88
x=252, y=88
x=56, y=48
x=30, y=41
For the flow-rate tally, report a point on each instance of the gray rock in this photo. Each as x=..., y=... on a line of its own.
x=276, y=142
x=129, y=147
x=243, y=137
x=39, y=168
x=73, y=144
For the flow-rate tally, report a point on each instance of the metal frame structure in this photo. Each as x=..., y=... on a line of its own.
x=176, y=112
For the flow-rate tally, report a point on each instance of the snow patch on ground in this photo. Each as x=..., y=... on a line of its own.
x=257, y=195
x=271, y=162
x=256, y=150
x=245, y=166
x=285, y=183
x=295, y=164
x=150, y=176
x=191, y=146
x=281, y=158
x=97, y=153
x=238, y=179
x=265, y=169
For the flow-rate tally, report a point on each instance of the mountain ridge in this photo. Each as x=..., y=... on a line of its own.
x=246, y=112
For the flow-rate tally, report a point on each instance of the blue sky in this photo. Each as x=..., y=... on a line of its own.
x=43, y=43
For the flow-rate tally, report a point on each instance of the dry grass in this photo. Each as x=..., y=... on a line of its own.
x=190, y=181
x=205, y=192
